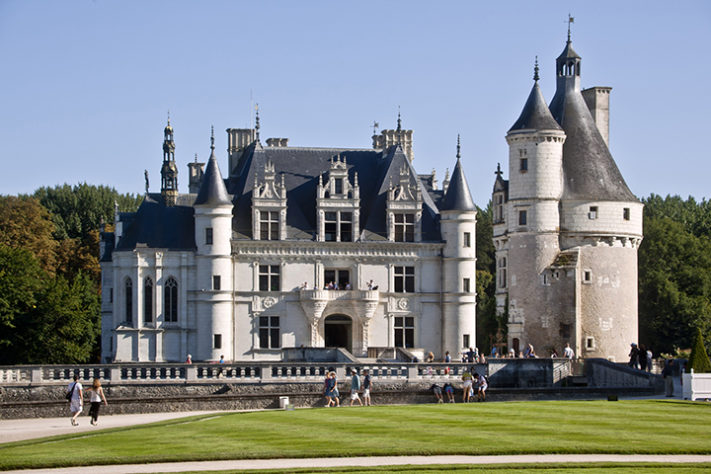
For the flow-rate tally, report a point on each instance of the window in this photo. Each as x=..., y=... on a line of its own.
x=564, y=331
x=466, y=285
x=626, y=213
x=338, y=186
x=148, y=300
x=128, y=290
x=170, y=300
x=590, y=343
x=269, y=332
x=404, y=227
x=587, y=276
x=404, y=331
x=467, y=239
x=465, y=340
x=338, y=226
x=269, y=225
x=269, y=277
x=502, y=272
x=499, y=208
x=593, y=212
x=524, y=165
x=208, y=235
x=404, y=279
x=111, y=295
x=522, y=217
x=217, y=341
x=340, y=278
x=215, y=282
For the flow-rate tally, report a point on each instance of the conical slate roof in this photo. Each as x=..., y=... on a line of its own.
x=212, y=190
x=458, y=197
x=589, y=171
x=535, y=114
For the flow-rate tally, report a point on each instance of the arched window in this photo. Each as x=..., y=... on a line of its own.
x=148, y=300
x=128, y=293
x=170, y=303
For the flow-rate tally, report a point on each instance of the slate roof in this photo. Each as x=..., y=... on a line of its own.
x=535, y=114
x=302, y=167
x=458, y=197
x=212, y=190
x=156, y=225
x=590, y=172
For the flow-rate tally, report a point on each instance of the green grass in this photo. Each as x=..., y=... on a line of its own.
x=648, y=426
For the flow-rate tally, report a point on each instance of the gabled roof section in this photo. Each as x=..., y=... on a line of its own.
x=458, y=197
x=156, y=225
x=212, y=190
x=535, y=114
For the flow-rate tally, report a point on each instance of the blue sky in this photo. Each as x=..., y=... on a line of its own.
x=86, y=85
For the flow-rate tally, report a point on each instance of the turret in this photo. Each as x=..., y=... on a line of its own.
x=458, y=225
x=169, y=171
x=213, y=233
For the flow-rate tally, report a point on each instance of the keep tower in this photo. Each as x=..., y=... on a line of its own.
x=567, y=227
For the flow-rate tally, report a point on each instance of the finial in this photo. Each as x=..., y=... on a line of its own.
x=535, y=70
x=169, y=117
x=145, y=176
x=570, y=20
x=459, y=148
x=195, y=157
x=399, y=126
x=375, y=127
x=256, y=125
x=498, y=171
x=212, y=138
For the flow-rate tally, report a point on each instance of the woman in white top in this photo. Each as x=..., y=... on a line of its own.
x=97, y=396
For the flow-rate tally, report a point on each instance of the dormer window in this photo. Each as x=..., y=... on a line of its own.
x=269, y=206
x=405, y=209
x=337, y=204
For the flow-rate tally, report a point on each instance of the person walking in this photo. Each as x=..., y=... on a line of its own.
x=76, y=399
x=96, y=397
x=466, y=386
x=482, y=385
x=355, y=387
x=649, y=356
x=668, y=375
x=568, y=352
x=367, y=385
x=634, y=356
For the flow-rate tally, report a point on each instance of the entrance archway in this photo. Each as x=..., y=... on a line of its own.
x=338, y=331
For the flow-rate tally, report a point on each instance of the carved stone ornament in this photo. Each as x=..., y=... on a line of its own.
x=403, y=304
x=269, y=301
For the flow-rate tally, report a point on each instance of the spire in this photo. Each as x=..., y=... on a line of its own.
x=458, y=197
x=459, y=148
x=570, y=20
x=535, y=70
x=399, y=127
x=169, y=171
x=256, y=125
x=535, y=114
x=498, y=171
x=212, y=190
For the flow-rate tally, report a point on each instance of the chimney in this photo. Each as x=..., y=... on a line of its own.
x=598, y=101
x=195, y=172
x=388, y=138
x=278, y=142
x=237, y=140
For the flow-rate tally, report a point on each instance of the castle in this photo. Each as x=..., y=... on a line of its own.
x=566, y=226
x=296, y=247
x=351, y=248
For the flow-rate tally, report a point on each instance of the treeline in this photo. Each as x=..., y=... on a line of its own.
x=49, y=272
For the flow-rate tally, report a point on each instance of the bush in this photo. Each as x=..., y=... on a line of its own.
x=699, y=360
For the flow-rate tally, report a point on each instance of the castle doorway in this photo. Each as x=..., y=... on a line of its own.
x=338, y=331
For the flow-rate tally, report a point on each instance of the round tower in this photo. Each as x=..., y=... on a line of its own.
x=532, y=222
x=458, y=225
x=213, y=232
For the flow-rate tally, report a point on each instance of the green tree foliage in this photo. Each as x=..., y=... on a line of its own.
x=79, y=209
x=21, y=278
x=674, y=272
x=699, y=360
x=64, y=325
x=487, y=322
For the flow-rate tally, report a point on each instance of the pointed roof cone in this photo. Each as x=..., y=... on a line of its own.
x=212, y=190
x=458, y=197
x=535, y=114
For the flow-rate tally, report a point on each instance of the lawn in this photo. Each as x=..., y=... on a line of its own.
x=647, y=426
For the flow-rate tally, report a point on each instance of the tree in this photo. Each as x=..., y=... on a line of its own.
x=64, y=326
x=699, y=359
x=21, y=279
x=25, y=224
x=487, y=321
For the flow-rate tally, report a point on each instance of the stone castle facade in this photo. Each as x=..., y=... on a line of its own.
x=312, y=247
x=566, y=226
